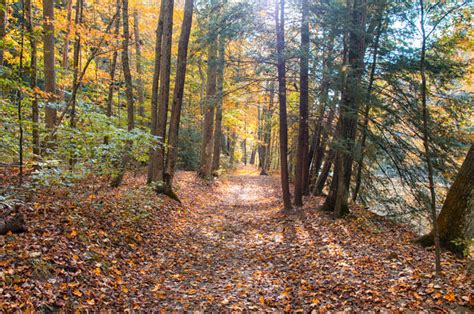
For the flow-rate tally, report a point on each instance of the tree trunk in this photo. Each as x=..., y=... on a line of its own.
x=138, y=60
x=323, y=176
x=232, y=143
x=281, y=65
x=117, y=180
x=33, y=79
x=3, y=27
x=426, y=136
x=49, y=71
x=126, y=67
x=253, y=155
x=164, y=88
x=178, y=95
x=244, y=151
x=220, y=96
x=301, y=173
x=205, y=169
x=152, y=166
x=318, y=149
x=65, y=52
x=113, y=67
x=267, y=133
x=363, y=139
x=337, y=199
x=77, y=51
x=456, y=219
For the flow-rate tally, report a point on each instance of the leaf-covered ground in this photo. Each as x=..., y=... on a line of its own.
x=227, y=247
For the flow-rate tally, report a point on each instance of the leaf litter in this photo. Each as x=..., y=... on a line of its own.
x=227, y=247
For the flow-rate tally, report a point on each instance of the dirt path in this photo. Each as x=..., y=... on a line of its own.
x=237, y=251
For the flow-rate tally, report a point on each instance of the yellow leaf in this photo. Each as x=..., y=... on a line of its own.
x=450, y=296
x=97, y=271
x=91, y=302
x=124, y=290
x=73, y=233
x=262, y=300
x=315, y=301
x=76, y=292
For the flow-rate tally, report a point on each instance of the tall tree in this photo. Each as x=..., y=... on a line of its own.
x=3, y=27
x=126, y=67
x=219, y=103
x=178, y=96
x=267, y=113
x=153, y=164
x=33, y=79
x=281, y=66
x=205, y=168
x=337, y=199
x=364, y=131
x=164, y=91
x=49, y=70
x=138, y=61
x=65, y=52
x=113, y=64
x=77, y=51
x=302, y=150
x=318, y=142
x=426, y=138
x=455, y=221
x=117, y=179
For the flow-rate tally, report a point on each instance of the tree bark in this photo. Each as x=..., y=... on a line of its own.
x=267, y=133
x=3, y=26
x=117, y=180
x=456, y=219
x=126, y=67
x=323, y=176
x=152, y=166
x=49, y=71
x=219, y=102
x=65, y=52
x=33, y=79
x=178, y=95
x=113, y=66
x=138, y=61
x=281, y=66
x=165, y=72
x=301, y=172
x=205, y=169
x=77, y=51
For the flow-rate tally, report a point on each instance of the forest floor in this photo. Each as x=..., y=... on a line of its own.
x=227, y=247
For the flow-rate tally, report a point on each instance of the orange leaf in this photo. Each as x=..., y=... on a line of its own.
x=76, y=292
x=450, y=296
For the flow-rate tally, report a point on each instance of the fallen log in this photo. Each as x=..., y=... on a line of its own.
x=12, y=220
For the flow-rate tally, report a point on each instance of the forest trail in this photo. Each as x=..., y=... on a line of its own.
x=241, y=252
x=228, y=246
